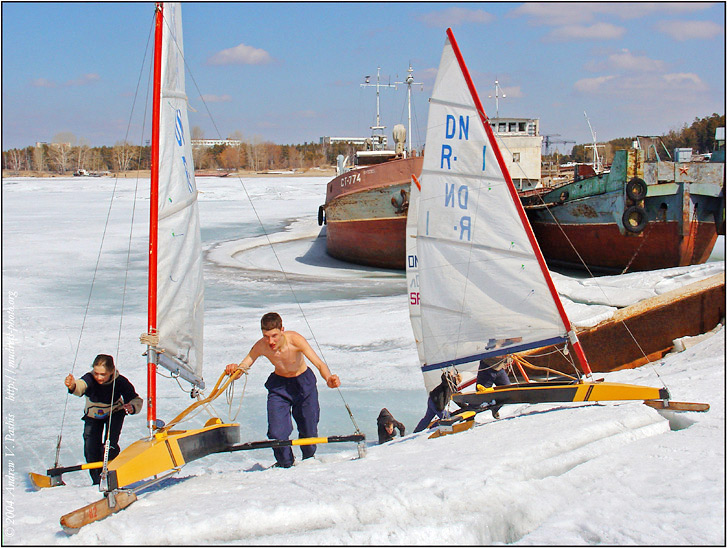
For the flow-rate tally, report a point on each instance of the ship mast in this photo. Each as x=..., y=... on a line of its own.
x=498, y=89
x=378, y=126
x=409, y=81
x=597, y=166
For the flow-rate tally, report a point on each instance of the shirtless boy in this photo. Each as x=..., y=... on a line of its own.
x=291, y=387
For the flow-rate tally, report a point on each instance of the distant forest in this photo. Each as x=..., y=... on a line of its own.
x=64, y=155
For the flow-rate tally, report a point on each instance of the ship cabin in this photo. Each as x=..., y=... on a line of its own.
x=521, y=145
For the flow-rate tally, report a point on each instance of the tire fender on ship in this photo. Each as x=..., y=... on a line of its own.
x=321, y=215
x=636, y=189
x=634, y=219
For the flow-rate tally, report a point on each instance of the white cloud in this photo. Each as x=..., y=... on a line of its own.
x=691, y=30
x=624, y=60
x=557, y=14
x=241, y=55
x=597, y=31
x=592, y=85
x=305, y=114
x=453, y=17
x=686, y=80
x=83, y=80
x=644, y=88
x=43, y=83
x=210, y=98
x=512, y=91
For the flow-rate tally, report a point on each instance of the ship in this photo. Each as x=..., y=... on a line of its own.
x=366, y=203
x=644, y=213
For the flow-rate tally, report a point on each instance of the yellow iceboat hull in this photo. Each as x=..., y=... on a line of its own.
x=168, y=450
x=554, y=392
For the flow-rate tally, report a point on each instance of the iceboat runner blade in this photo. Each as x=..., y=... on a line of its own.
x=40, y=481
x=73, y=521
x=678, y=405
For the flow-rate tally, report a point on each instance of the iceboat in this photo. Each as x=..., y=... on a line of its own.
x=175, y=294
x=478, y=285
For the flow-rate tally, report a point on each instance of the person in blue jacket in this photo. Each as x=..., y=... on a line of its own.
x=109, y=398
x=439, y=398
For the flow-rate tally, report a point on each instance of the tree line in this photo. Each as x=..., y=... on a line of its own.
x=699, y=136
x=65, y=155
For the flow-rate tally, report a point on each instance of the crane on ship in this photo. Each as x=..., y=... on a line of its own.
x=548, y=140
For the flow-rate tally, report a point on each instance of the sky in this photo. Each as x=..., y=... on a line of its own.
x=291, y=72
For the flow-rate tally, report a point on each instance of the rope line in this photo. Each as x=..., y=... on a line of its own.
x=267, y=237
x=588, y=270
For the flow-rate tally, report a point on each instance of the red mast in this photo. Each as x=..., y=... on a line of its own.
x=154, y=215
x=518, y=206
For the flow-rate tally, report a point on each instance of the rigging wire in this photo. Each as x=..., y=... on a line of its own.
x=268, y=239
x=539, y=196
x=107, y=441
x=93, y=279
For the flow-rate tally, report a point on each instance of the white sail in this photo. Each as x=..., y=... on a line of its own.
x=180, y=287
x=482, y=291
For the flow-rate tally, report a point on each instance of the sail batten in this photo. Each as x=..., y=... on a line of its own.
x=492, y=353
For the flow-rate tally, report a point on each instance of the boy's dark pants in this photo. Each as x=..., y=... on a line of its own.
x=296, y=396
x=93, y=440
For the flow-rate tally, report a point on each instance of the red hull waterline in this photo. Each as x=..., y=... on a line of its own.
x=652, y=249
x=370, y=242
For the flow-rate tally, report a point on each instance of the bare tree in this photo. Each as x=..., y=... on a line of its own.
x=82, y=152
x=60, y=151
x=39, y=158
x=123, y=154
x=14, y=160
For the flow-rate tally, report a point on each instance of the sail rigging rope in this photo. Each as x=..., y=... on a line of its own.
x=588, y=270
x=95, y=273
x=266, y=234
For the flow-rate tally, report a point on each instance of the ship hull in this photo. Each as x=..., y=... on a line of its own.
x=365, y=213
x=603, y=247
x=684, y=205
x=680, y=216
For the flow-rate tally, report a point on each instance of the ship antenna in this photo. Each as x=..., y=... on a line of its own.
x=409, y=81
x=498, y=89
x=378, y=126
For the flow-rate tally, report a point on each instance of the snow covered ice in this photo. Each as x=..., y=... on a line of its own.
x=612, y=473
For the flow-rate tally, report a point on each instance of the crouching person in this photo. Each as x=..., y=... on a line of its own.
x=386, y=424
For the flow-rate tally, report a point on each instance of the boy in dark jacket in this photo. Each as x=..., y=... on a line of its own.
x=386, y=423
x=100, y=413
x=439, y=398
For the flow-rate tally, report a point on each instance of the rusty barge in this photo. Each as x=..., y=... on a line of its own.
x=366, y=204
x=642, y=215
x=365, y=212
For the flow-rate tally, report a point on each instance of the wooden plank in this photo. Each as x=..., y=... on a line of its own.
x=655, y=323
x=95, y=511
x=678, y=405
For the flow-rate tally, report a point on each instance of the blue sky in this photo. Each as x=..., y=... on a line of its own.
x=290, y=72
